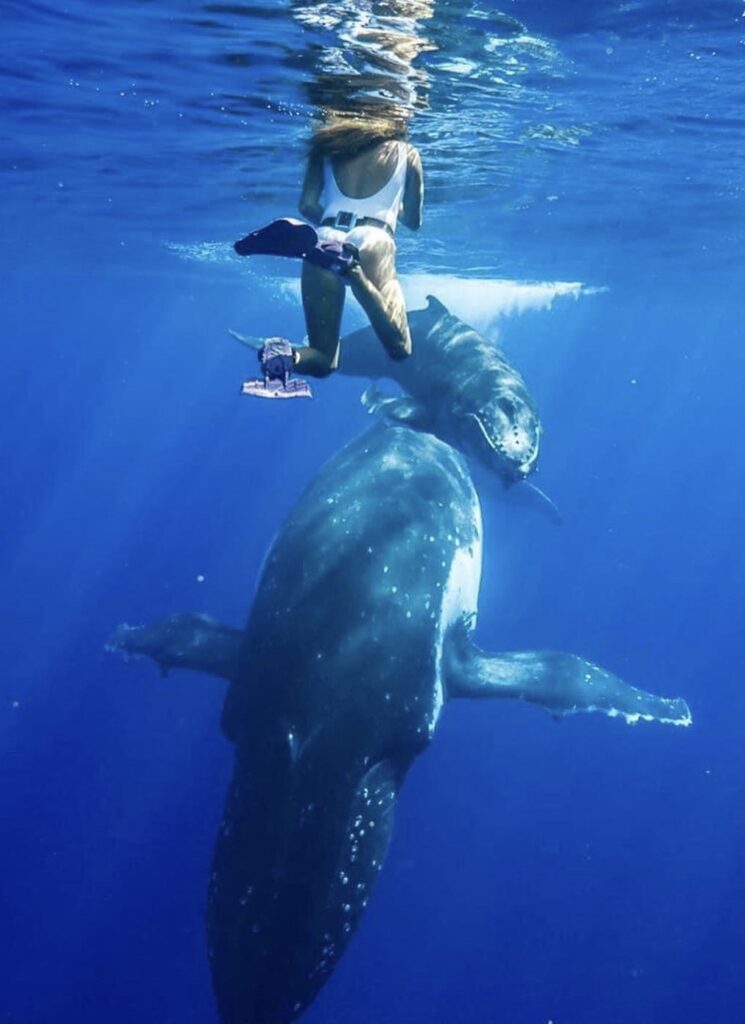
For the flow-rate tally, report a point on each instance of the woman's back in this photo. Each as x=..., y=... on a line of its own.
x=368, y=186
x=363, y=174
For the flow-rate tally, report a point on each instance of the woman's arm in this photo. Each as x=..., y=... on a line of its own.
x=310, y=198
x=413, y=200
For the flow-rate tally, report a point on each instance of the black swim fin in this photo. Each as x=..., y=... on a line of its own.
x=298, y=240
x=285, y=237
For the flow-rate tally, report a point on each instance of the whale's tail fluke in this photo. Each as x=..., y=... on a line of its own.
x=564, y=684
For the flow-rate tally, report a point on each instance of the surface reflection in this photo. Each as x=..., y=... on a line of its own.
x=365, y=70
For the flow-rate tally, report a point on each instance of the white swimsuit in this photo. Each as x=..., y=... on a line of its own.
x=382, y=206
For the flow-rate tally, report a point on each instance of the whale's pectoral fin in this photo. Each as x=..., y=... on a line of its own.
x=564, y=684
x=400, y=409
x=189, y=641
x=541, y=502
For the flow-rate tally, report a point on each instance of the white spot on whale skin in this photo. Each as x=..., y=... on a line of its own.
x=294, y=745
x=393, y=460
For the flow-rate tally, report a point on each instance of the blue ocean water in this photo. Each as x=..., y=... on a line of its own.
x=584, y=205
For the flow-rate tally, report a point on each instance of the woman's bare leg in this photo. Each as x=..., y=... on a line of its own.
x=323, y=302
x=376, y=287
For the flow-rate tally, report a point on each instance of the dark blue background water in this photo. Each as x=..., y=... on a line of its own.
x=580, y=872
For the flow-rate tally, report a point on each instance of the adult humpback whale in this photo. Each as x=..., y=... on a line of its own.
x=359, y=632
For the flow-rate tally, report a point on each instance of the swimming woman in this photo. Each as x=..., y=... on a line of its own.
x=359, y=182
x=361, y=179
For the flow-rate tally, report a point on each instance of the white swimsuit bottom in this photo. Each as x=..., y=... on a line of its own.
x=359, y=234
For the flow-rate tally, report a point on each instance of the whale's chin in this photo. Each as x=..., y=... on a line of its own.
x=504, y=448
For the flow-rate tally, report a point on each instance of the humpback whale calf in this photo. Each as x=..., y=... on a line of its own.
x=459, y=387
x=359, y=633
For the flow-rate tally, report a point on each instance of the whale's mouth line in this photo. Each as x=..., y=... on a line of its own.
x=494, y=445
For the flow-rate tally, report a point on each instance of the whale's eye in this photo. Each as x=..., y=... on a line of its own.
x=507, y=406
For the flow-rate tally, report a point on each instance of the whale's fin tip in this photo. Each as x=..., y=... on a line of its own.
x=563, y=684
x=246, y=339
x=545, y=504
x=525, y=494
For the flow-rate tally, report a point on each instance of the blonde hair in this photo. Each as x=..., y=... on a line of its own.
x=347, y=135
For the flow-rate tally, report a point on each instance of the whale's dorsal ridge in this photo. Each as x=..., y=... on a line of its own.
x=435, y=306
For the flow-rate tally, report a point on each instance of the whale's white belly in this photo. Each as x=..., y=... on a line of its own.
x=459, y=600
